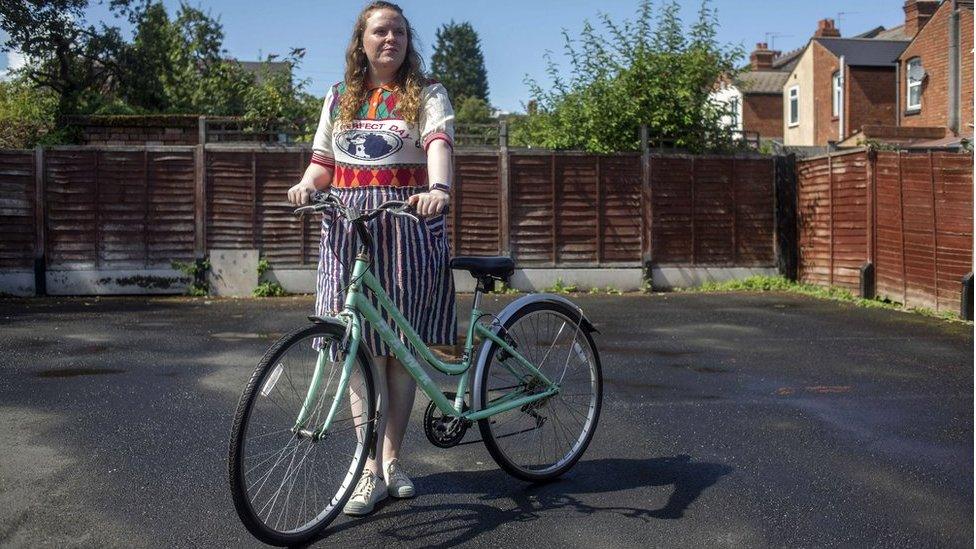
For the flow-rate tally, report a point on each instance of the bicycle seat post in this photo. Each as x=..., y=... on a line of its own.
x=485, y=285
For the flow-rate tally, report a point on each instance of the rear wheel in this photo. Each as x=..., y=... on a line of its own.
x=544, y=439
x=288, y=486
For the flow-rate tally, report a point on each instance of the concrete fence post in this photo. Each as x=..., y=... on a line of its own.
x=504, y=194
x=40, y=216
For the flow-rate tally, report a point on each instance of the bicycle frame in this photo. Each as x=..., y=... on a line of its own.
x=358, y=307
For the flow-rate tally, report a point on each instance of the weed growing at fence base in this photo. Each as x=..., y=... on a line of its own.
x=780, y=284
x=197, y=272
x=267, y=288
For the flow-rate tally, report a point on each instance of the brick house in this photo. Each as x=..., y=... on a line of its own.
x=840, y=84
x=935, y=83
x=755, y=97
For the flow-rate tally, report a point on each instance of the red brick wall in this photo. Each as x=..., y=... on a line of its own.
x=824, y=66
x=966, y=72
x=138, y=135
x=763, y=113
x=869, y=97
x=932, y=46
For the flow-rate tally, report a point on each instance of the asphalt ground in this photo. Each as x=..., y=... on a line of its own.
x=728, y=420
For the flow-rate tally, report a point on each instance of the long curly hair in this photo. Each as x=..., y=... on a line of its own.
x=408, y=83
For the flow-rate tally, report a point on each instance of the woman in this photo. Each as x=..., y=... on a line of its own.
x=386, y=133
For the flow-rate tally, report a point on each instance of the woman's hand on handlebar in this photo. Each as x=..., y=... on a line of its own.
x=299, y=194
x=429, y=203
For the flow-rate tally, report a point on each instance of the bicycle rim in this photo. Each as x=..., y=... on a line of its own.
x=544, y=439
x=287, y=486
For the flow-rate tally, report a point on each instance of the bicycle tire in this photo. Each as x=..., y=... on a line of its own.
x=273, y=359
x=490, y=427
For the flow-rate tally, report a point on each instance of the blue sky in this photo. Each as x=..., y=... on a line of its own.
x=514, y=33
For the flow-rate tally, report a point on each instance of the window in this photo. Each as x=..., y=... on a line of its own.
x=838, y=88
x=794, y=105
x=913, y=76
x=734, y=107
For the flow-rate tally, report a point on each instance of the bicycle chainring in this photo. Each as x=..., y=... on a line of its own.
x=442, y=430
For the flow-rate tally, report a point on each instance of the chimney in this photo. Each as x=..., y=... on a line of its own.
x=762, y=57
x=917, y=14
x=826, y=29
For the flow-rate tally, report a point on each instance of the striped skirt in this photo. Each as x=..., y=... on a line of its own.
x=410, y=260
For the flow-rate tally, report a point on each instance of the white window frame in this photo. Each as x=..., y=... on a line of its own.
x=909, y=84
x=793, y=94
x=838, y=93
x=734, y=102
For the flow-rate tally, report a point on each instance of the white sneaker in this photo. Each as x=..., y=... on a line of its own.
x=397, y=481
x=369, y=491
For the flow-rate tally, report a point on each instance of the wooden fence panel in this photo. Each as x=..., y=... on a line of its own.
x=71, y=202
x=170, y=195
x=889, y=264
x=620, y=209
x=813, y=220
x=576, y=216
x=953, y=195
x=918, y=233
x=848, y=219
x=755, y=226
x=924, y=227
x=531, y=223
x=280, y=237
x=673, y=196
x=18, y=200
x=231, y=200
x=122, y=208
x=714, y=212
x=475, y=222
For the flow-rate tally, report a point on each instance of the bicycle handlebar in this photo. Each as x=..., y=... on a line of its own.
x=322, y=200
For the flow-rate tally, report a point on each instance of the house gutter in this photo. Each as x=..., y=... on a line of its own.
x=954, y=98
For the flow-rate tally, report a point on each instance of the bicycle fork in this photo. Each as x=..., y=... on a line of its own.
x=348, y=349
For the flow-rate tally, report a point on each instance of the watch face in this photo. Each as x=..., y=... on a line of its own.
x=369, y=145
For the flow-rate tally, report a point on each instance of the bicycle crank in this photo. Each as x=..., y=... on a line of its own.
x=444, y=431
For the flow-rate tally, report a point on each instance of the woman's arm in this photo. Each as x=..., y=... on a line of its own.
x=440, y=169
x=317, y=178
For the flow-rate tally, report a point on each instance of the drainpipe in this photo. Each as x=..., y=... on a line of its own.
x=841, y=104
x=898, y=92
x=954, y=69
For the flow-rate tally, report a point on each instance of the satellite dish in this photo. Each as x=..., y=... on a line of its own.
x=916, y=72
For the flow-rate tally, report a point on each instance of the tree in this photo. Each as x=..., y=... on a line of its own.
x=458, y=63
x=71, y=58
x=27, y=115
x=173, y=65
x=640, y=74
x=473, y=110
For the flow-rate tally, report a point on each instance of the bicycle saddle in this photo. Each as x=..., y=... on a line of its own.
x=499, y=267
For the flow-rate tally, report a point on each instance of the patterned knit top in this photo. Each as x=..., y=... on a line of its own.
x=378, y=148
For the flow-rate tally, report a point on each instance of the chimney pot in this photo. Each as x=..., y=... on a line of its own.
x=826, y=29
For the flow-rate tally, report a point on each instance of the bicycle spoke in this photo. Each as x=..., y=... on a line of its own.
x=292, y=482
x=553, y=343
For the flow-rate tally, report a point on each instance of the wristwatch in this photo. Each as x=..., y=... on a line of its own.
x=440, y=187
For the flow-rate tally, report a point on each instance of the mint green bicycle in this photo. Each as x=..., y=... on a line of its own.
x=305, y=421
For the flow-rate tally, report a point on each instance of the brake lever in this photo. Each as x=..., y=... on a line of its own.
x=402, y=211
x=300, y=212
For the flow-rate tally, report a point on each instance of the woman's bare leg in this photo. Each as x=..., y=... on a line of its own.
x=402, y=390
x=373, y=464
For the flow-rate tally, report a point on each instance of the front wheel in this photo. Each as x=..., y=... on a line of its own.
x=287, y=484
x=544, y=439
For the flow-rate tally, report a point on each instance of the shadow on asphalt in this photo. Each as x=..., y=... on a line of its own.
x=449, y=524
